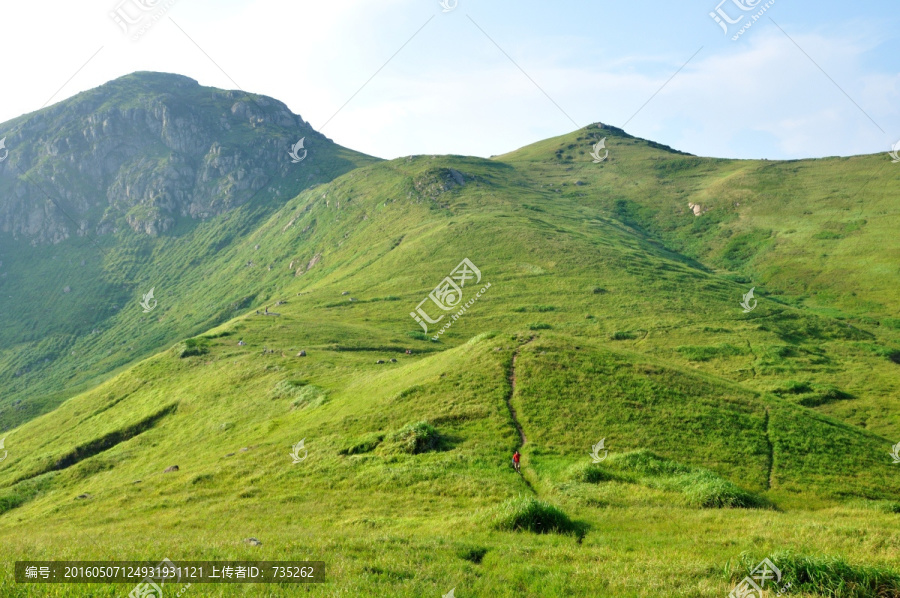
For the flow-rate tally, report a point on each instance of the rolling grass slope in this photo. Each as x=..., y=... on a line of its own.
x=609, y=315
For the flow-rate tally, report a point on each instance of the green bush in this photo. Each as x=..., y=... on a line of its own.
x=706, y=490
x=589, y=473
x=473, y=554
x=414, y=439
x=366, y=444
x=795, y=388
x=192, y=347
x=621, y=335
x=532, y=515
x=540, y=326
x=826, y=394
x=221, y=334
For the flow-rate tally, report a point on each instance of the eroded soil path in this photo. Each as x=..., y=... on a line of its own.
x=512, y=391
x=512, y=411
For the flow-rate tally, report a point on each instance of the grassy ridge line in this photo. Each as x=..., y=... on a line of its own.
x=417, y=177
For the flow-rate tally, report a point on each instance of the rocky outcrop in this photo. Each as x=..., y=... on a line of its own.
x=144, y=151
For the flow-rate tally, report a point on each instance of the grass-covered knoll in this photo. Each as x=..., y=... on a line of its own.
x=699, y=487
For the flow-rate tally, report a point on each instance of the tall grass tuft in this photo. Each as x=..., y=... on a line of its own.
x=413, y=439
x=825, y=575
x=589, y=473
x=532, y=515
x=701, y=488
x=706, y=490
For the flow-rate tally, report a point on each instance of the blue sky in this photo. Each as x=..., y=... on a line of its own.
x=458, y=86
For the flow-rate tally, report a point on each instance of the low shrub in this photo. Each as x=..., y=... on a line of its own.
x=825, y=395
x=795, y=388
x=621, y=335
x=414, y=439
x=366, y=444
x=192, y=347
x=706, y=490
x=221, y=334
x=589, y=473
x=473, y=554
x=532, y=515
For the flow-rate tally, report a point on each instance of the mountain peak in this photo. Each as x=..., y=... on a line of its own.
x=149, y=149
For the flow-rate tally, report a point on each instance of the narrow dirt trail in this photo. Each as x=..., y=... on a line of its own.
x=522, y=439
x=771, y=459
x=512, y=411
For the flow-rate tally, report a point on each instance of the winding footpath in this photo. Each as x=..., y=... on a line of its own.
x=512, y=412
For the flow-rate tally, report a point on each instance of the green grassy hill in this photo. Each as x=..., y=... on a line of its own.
x=612, y=312
x=136, y=185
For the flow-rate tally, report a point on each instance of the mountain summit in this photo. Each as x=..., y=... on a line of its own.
x=150, y=149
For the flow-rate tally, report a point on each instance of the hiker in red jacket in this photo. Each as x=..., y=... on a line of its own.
x=516, y=457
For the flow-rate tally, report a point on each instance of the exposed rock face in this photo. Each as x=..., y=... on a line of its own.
x=437, y=181
x=143, y=151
